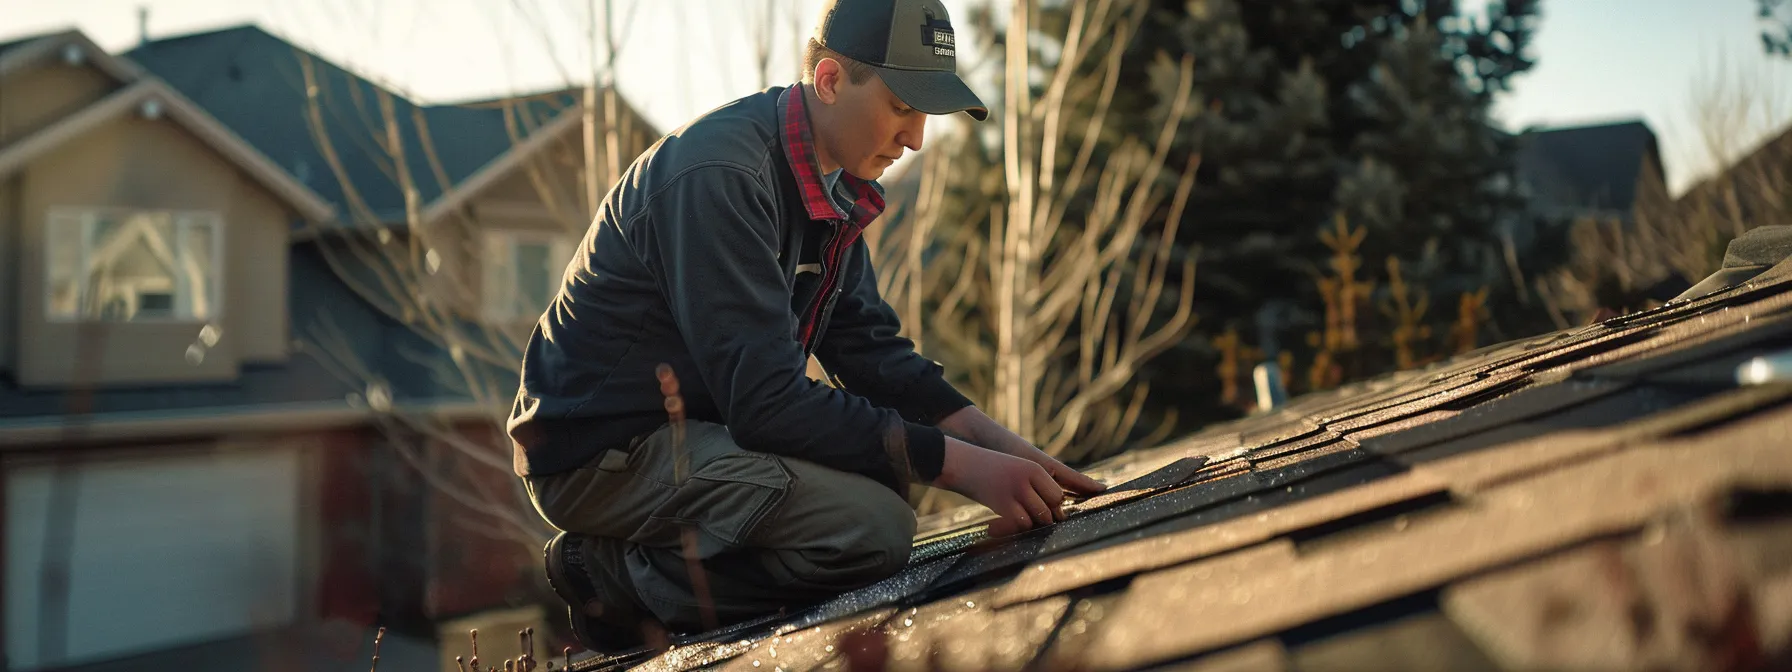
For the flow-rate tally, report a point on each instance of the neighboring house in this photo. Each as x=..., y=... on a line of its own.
x=1595, y=170
x=178, y=465
x=1577, y=173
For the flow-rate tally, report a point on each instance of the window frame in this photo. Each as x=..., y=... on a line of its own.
x=503, y=244
x=87, y=219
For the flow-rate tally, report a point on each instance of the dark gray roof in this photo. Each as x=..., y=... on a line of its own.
x=1587, y=168
x=1546, y=503
x=14, y=43
x=253, y=82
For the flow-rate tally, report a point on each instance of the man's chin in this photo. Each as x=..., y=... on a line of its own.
x=870, y=172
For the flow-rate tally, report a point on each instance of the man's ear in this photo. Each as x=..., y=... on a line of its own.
x=827, y=80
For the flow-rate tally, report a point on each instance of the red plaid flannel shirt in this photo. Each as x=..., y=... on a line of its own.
x=799, y=148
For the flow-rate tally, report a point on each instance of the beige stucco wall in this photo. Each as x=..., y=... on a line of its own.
x=36, y=97
x=513, y=203
x=520, y=201
x=138, y=163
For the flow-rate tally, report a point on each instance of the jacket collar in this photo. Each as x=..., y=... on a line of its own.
x=799, y=149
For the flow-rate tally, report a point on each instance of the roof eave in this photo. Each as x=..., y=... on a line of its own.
x=183, y=111
x=458, y=195
x=262, y=418
x=122, y=70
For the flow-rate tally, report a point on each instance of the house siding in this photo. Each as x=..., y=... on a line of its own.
x=474, y=562
x=153, y=164
x=398, y=551
x=513, y=203
x=9, y=271
x=37, y=97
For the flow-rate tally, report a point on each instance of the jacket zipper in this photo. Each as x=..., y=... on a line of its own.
x=830, y=262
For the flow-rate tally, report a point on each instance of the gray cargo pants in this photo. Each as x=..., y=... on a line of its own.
x=771, y=532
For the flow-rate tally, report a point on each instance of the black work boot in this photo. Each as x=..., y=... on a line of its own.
x=603, y=623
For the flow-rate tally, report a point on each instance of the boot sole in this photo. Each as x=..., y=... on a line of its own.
x=554, y=557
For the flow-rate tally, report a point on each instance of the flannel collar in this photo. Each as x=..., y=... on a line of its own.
x=799, y=148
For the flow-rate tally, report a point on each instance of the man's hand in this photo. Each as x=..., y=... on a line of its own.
x=1018, y=490
x=981, y=430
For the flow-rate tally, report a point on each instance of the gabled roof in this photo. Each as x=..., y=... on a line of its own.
x=35, y=49
x=243, y=89
x=14, y=43
x=151, y=94
x=1593, y=167
x=255, y=82
x=501, y=166
x=142, y=92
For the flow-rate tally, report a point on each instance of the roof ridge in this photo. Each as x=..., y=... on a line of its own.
x=27, y=38
x=207, y=32
x=248, y=29
x=1589, y=124
x=235, y=49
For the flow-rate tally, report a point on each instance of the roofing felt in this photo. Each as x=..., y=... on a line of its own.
x=1600, y=496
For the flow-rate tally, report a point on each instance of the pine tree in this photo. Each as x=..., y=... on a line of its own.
x=1375, y=111
x=1363, y=120
x=1776, y=26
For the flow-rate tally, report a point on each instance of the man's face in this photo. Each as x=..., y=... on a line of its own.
x=869, y=127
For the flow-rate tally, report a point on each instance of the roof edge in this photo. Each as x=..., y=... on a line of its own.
x=261, y=418
x=189, y=115
x=1590, y=123
x=121, y=69
x=457, y=195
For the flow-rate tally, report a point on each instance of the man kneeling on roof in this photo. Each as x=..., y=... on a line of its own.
x=731, y=251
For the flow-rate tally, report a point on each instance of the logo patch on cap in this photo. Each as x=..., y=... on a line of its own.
x=937, y=33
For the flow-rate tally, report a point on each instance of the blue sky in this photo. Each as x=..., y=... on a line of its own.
x=1599, y=59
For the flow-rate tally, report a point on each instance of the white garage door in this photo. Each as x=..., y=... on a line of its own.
x=165, y=551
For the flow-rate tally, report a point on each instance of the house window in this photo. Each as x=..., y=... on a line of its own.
x=117, y=265
x=523, y=270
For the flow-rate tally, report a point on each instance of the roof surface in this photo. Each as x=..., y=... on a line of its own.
x=14, y=43
x=1605, y=496
x=255, y=83
x=1587, y=167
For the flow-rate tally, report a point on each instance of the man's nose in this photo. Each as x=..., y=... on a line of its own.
x=912, y=136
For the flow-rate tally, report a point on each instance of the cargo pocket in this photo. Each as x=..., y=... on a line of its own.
x=724, y=501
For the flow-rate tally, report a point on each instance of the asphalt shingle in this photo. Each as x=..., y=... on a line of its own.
x=1354, y=529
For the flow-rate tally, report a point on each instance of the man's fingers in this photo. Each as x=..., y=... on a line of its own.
x=1039, y=511
x=1001, y=527
x=1076, y=481
x=1050, y=495
x=1019, y=517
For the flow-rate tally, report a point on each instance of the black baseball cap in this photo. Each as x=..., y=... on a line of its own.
x=911, y=45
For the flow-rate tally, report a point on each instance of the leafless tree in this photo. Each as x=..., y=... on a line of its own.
x=431, y=270
x=1743, y=149
x=1040, y=286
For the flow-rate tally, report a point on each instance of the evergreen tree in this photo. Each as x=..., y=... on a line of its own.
x=1372, y=110
x=1776, y=29
x=1369, y=115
